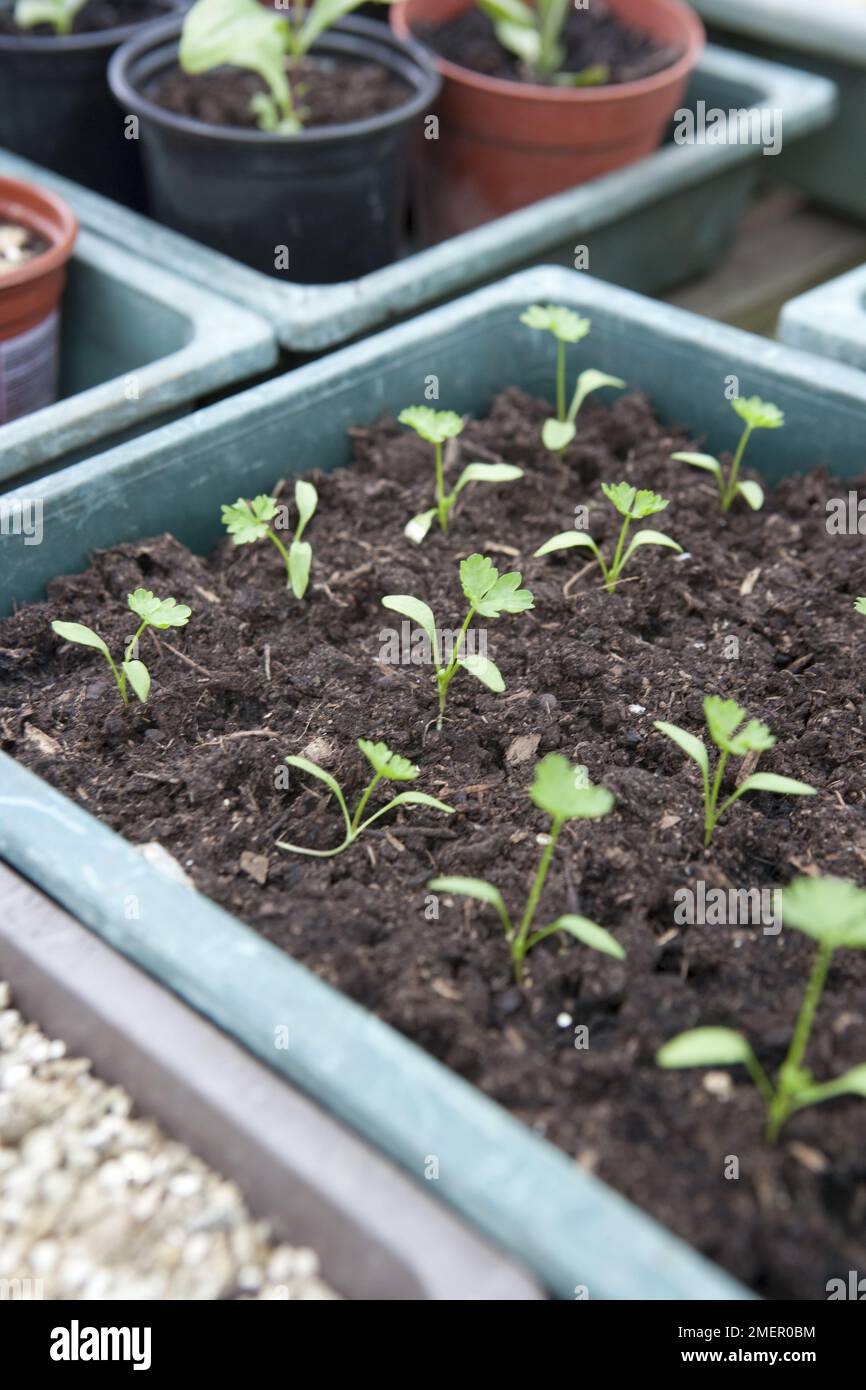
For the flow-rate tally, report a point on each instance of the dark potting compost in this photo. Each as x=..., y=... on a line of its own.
x=325, y=93
x=95, y=16
x=759, y=608
x=590, y=38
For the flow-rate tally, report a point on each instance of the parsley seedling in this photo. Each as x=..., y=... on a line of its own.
x=860, y=605
x=533, y=34
x=436, y=427
x=734, y=735
x=632, y=506
x=243, y=34
x=564, y=793
x=833, y=912
x=248, y=522
x=566, y=327
x=393, y=767
x=154, y=612
x=60, y=14
x=758, y=415
x=490, y=594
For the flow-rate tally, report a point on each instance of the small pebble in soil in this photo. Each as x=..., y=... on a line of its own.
x=563, y=1020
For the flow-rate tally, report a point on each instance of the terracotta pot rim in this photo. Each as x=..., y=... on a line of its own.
x=696, y=38
x=51, y=216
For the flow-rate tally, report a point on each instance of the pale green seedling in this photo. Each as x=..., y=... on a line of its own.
x=155, y=612
x=392, y=767
x=833, y=912
x=566, y=327
x=436, y=427
x=735, y=735
x=860, y=605
x=244, y=34
x=248, y=522
x=490, y=594
x=565, y=793
x=632, y=505
x=757, y=415
x=60, y=14
x=533, y=33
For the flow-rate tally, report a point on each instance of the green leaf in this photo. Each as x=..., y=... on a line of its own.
x=754, y=737
x=770, y=782
x=248, y=521
x=306, y=501
x=565, y=325
x=475, y=888
x=850, y=1083
x=648, y=538
x=417, y=612
x=522, y=40
x=81, y=635
x=139, y=678
x=705, y=1047
x=622, y=495
x=313, y=769
x=58, y=13
x=320, y=16
x=705, y=461
x=596, y=75
x=421, y=799
x=392, y=766
x=566, y=540
x=484, y=671
x=506, y=596
x=590, y=381
x=590, y=933
x=513, y=11
x=486, y=473
x=828, y=909
x=723, y=718
x=300, y=561
x=647, y=503
x=158, y=612
x=860, y=605
x=433, y=425
x=753, y=493
x=240, y=33
x=478, y=575
x=556, y=435
x=417, y=529
x=566, y=793
x=760, y=415
x=691, y=746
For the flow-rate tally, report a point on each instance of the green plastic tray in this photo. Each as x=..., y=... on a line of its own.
x=828, y=39
x=650, y=226
x=830, y=320
x=138, y=345
x=568, y=1227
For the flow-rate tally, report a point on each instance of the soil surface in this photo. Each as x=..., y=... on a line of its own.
x=589, y=37
x=95, y=16
x=325, y=93
x=256, y=675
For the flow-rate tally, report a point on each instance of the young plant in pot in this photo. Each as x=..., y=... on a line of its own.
x=37, y=236
x=562, y=94
x=55, y=103
x=279, y=136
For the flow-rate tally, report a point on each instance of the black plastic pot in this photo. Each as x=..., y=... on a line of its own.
x=56, y=108
x=333, y=196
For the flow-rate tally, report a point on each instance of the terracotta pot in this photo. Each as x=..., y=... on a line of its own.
x=504, y=144
x=30, y=300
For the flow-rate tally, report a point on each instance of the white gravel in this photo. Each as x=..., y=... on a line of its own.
x=98, y=1203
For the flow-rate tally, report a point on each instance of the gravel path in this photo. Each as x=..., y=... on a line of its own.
x=98, y=1203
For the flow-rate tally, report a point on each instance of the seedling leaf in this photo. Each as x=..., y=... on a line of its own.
x=247, y=522
x=753, y=493
x=306, y=501
x=485, y=671
x=758, y=414
x=81, y=635
x=649, y=538
x=827, y=909
x=139, y=678
x=158, y=612
x=385, y=763
x=691, y=746
x=417, y=612
x=436, y=426
x=485, y=473
x=590, y=933
x=417, y=529
x=556, y=435
x=565, y=325
x=566, y=540
x=565, y=792
x=770, y=782
x=300, y=562
x=705, y=1047
x=705, y=461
